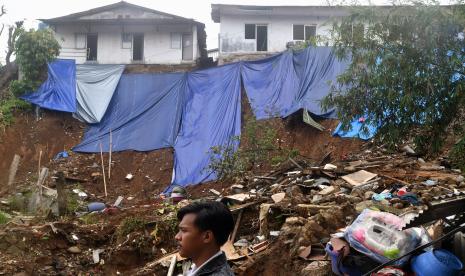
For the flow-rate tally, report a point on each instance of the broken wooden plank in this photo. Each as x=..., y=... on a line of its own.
x=236, y=226
x=40, y=181
x=76, y=179
x=395, y=179
x=61, y=194
x=13, y=169
x=295, y=163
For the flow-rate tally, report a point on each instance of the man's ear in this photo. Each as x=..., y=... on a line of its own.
x=208, y=237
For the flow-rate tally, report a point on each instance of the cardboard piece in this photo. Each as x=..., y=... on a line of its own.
x=358, y=178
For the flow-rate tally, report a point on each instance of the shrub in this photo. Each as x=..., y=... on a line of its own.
x=406, y=73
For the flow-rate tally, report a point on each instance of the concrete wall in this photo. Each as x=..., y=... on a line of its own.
x=280, y=31
x=157, y=43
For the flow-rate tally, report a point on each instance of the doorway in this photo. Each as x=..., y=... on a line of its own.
x=92, y=43
x=187, y=47
x=138, y=47
x=262, y=38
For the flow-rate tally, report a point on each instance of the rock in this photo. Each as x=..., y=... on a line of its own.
x=317, y=268
x=460, y=178
x=316, y=198
x=278, y=197
x=407, y=149
x=96, y=174
x=327, y=191
x=13, y=250
x=368, y=195
x=421, y=161
x=74, y=250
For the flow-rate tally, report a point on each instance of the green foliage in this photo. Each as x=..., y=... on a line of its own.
x=33, y=50
x=258, y=146
x=129, y=225
x=404, y=60
x=260, y=139
x=72, y=204
x=90, y=218
x=225, y=160
x=19, y=87
x=457, y=155
x=7, y=107
x=4, y=218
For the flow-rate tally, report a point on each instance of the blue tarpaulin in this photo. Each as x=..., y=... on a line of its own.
x=95, y=86
x=281, y=85
x=144, y=114
x=58, y=92
x=355, y=130
x=211, y=117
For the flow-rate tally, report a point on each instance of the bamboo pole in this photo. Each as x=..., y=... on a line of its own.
x=109, y=160
x=38, y=169
x=103, y=170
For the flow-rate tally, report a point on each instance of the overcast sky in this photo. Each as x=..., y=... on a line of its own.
x=197, y=9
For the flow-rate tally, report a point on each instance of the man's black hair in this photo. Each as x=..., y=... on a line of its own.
x=210, y=215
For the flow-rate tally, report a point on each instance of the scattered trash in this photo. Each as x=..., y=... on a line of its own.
x=74, y=250
x=60, y=155
x=96, y=206
x=178, y=193
x=330, y=167
x=430, y=182
x=129, y=176
x=379, y=236
x=80, y=193
x=118, y=201
x=259, y=247
x=215, y=192
x=437, y=262
x=96, y=255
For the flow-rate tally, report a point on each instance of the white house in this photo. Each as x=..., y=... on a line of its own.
x=124, y=33
x=251, y=29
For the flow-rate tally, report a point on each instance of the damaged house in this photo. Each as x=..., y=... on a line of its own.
x=124, y=33
x=269, y=29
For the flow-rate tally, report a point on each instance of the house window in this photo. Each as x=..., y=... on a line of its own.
x=175, y=41
x=303, y=32
x=250, y=31
x=126, y=41
x=80, y=41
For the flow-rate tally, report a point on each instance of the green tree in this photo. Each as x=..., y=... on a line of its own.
x=34, y=49
x=405, y=70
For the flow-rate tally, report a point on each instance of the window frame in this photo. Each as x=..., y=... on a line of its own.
x=305, y=33
x=131, y=35
x=76, y=35
x=179, y=43
x=254, y=30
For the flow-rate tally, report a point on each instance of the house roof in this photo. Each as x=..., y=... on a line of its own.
x=219, y=9
x=86, y=16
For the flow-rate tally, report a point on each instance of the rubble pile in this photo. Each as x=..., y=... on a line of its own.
x=294, y=220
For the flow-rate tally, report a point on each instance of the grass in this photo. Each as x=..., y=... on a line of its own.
x=7, y=106
x=4, y=218
x=129, y=225
x=89, y=219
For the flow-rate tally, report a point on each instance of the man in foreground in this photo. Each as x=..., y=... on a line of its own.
x=204, y=227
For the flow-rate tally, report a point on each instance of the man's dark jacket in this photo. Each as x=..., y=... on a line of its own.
x=218, y=266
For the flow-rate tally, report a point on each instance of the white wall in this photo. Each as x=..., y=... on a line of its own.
x=280, y=31
x=157, y=43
